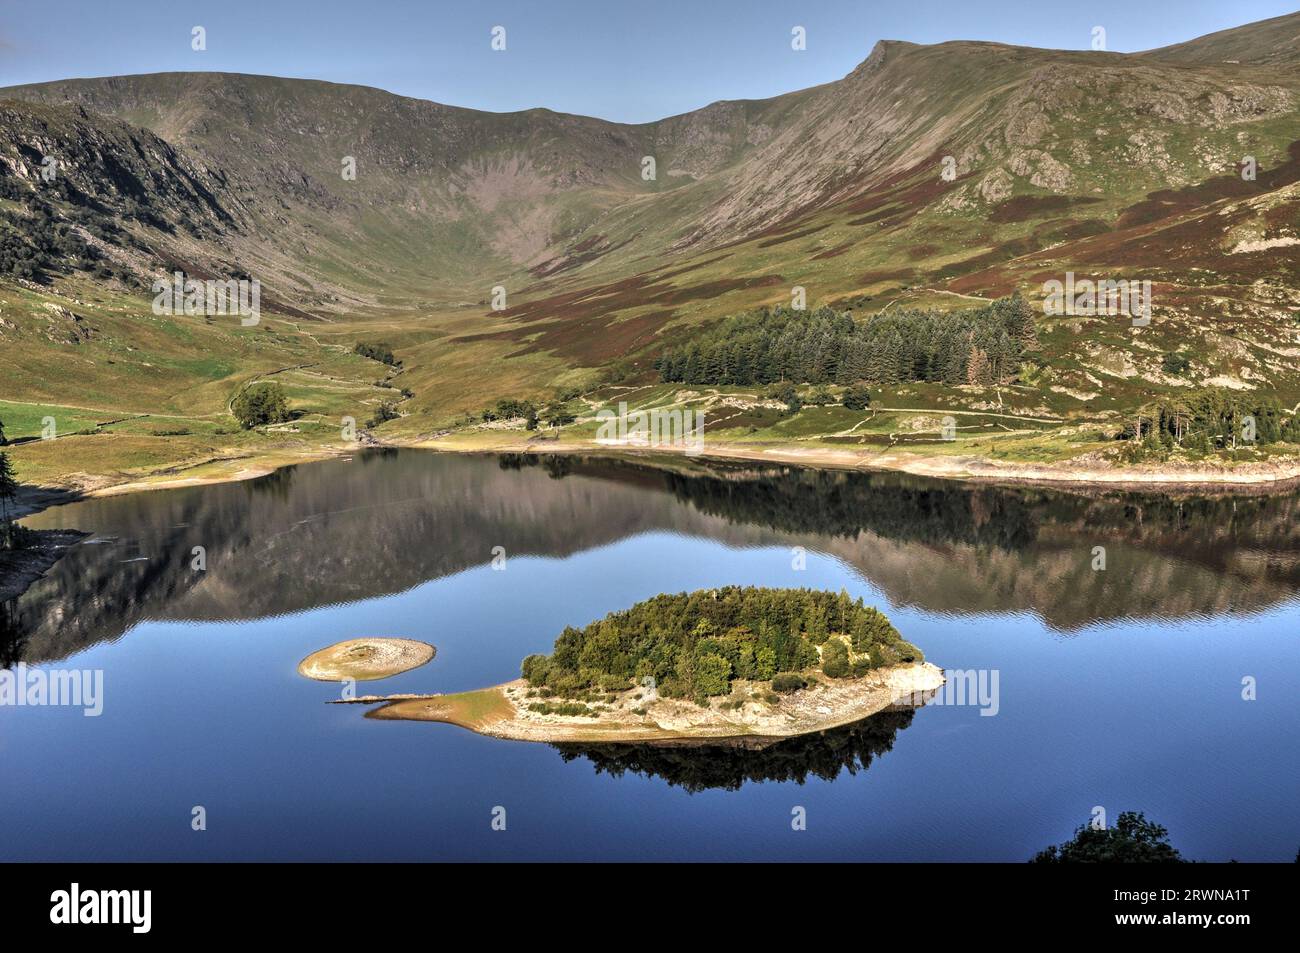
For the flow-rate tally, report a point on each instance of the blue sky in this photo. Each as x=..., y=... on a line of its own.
x=619, y=59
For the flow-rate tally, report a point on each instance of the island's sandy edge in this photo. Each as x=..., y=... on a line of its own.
x=384, y=657
x=501, y=712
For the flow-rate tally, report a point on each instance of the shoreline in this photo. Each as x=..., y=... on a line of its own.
x=502, y=711
x=1246, y=479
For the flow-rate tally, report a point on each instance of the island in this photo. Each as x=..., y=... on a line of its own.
x=747, y=665
x=365, y=659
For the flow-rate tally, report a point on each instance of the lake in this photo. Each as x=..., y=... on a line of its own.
x=1120, y=688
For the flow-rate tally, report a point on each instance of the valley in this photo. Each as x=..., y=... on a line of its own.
x=930, y=178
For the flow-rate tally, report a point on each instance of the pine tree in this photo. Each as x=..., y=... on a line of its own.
x=1020, y=322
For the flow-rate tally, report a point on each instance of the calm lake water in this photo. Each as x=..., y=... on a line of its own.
x=1119, y=688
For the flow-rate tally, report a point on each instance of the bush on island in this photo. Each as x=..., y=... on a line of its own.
x=787, y=682
x=907, y=652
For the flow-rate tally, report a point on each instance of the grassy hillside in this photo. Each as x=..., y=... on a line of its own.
x=933, y=177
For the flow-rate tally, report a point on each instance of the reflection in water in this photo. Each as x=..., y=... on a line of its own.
x=1143, y=710
x=340, y=531
x=701, y=766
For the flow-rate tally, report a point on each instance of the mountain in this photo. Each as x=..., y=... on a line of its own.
x=1274, y=42
x=929, y=175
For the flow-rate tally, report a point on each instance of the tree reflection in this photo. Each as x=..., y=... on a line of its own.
x=701, y=766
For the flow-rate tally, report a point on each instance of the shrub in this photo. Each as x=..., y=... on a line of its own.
x=568, y=709
x=787, y=682
x=883, y=655
x=260, y=404
x=613, y=683
x=857, y=397
x=907, y=652
x=861, y=666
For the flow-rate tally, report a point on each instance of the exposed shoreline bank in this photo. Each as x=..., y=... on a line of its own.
x=1245, y=479
x=502, y=711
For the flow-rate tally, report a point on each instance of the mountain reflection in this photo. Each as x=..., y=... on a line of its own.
x=703, y=766
x=340, y=531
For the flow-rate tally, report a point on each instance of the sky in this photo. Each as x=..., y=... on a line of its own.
x=625, y=60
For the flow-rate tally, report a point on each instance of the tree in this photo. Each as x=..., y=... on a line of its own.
x=3, y=441
x=260, y=404
x=782, y=345
x=872, y=627
x=1020, y=322
x=787, y=395
x=695, y=644
x=1133, y=840
x=977, y=367
x=558, y=416
x=377, y=352
x=387, y=410
x=712, y=675
x=1291, y=429
x=534, y=669
x=835, y=658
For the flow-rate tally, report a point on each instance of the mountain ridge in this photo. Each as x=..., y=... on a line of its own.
x=929, y=175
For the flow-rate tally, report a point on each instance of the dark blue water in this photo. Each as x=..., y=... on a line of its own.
x=1119, y=689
